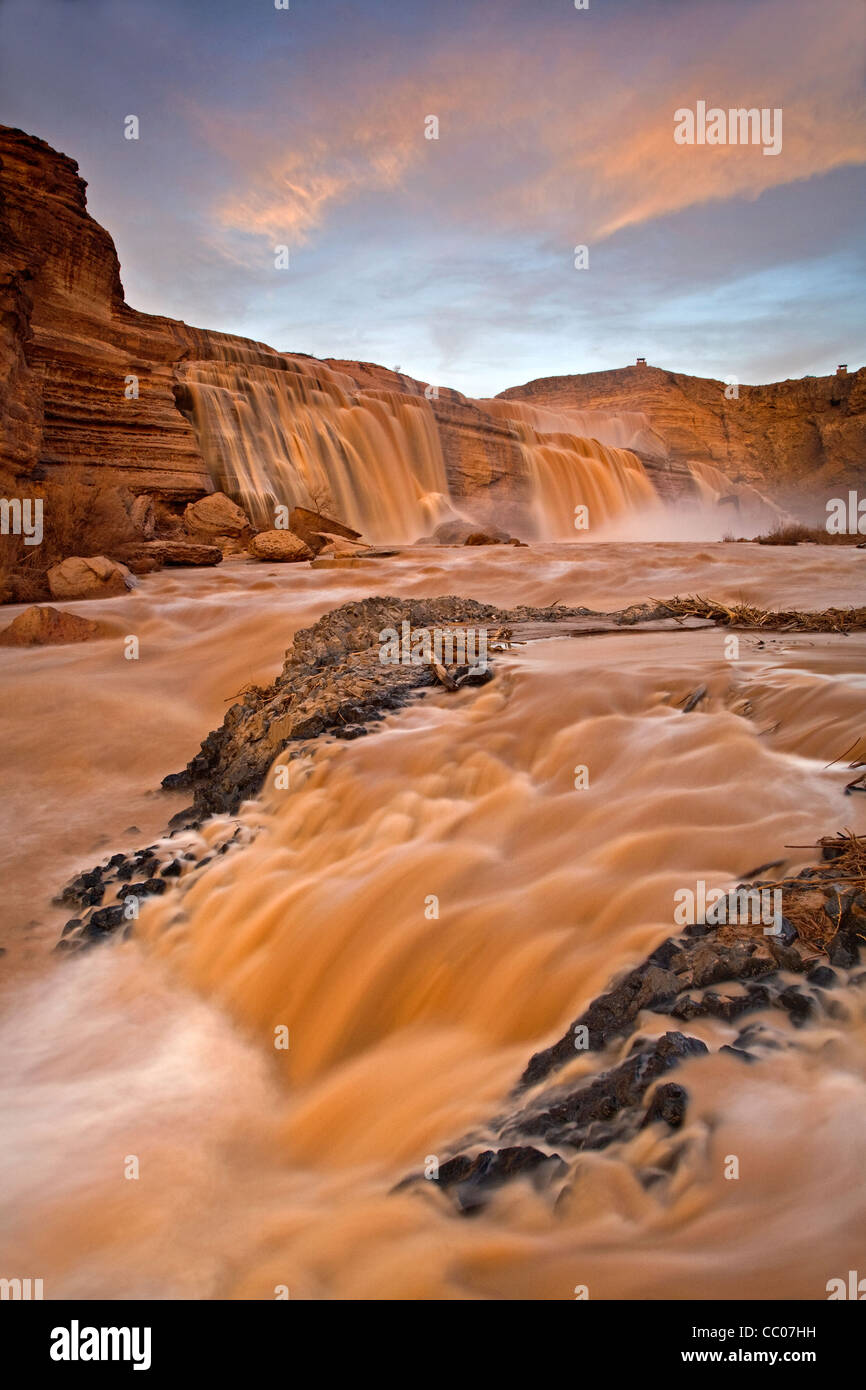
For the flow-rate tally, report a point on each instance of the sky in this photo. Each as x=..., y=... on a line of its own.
x=454, y=258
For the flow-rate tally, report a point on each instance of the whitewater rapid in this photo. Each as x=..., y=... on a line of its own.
x=262, y=1168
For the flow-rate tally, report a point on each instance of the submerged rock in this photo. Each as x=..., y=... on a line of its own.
x=44, y=626
x=470, y=1182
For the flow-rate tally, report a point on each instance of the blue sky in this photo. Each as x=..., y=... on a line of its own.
x=454, y=257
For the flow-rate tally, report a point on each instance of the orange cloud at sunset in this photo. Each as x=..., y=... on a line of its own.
x=550, y=140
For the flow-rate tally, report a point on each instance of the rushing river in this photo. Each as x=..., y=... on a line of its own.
x=261, y=1168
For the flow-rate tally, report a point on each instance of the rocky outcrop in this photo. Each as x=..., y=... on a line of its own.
x=73, y=353
x=721, y=972
x=316, y=530
x=463, y=533
x=789, y=436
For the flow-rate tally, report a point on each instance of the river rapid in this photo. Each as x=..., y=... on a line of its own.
x=262, y=1169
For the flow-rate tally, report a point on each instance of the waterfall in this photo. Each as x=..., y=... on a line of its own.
x=580, y=458
x=294, y=434
x=277, y=430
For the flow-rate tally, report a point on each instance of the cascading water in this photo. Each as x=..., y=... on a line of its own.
x=293, y=435
x=580, y=458
x=711, y=484
x=265, y=1167
x=276, y=431
x=627, y=429
x=750, y=512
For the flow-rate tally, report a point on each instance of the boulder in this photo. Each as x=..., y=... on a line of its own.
x=190, y=553
x=284, y=546
x=457, y=532
x=49, y=627
x=215, y=515
x=339, y=548
x=482, y=538
x=316, y=530
x=93, y=577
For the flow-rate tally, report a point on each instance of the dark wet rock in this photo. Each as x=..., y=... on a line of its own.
x=787, y=932
x=844, y=949
x=676, y=980
x=606, y=1017
x=726, y=1007
x=121, y=875
x=668, y=1104
x=595, y=1113
x=680, y=979
x=757, y=1035
x=151, y=887
x=696, y=929
x=738, y=1052
x=711, y=962
x=799, y=1005
x=822, y=975
x=471, y=1181
x=850, y=938
x=107, y=919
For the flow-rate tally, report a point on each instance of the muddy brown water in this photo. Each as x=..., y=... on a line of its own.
x=407, y=1029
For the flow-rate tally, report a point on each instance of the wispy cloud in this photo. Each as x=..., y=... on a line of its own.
x=548, y=141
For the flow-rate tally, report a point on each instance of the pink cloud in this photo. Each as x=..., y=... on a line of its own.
x=552, y=142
